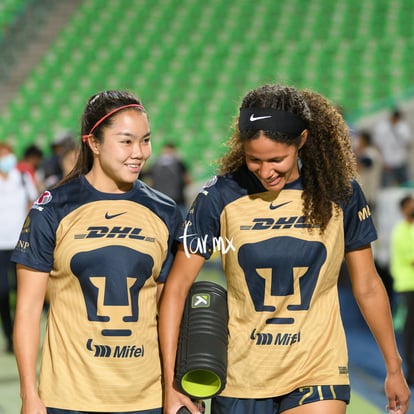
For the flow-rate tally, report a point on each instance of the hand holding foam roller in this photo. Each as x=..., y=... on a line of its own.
x=201, y=365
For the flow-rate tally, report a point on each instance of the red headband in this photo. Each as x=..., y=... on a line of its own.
x=86, y=137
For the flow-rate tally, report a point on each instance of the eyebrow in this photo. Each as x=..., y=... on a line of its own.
x=277, y=157
x=129, y=134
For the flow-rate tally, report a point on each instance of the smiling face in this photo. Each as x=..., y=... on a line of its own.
x=274, y=163
x=121, y=155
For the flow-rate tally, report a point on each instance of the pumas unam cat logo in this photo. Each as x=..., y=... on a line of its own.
x=111, y=279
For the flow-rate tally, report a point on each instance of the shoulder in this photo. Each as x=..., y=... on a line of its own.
x=222, y=190
x=241, y=182
x=158, y=202
x=356, y=190
x=356, y=205
x=356, y=187
x=221, y=185
x=357, y=198
x=61, y=197
x=73, y=187
x=154, y=195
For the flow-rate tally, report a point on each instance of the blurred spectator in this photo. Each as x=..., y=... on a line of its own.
x=32, y=158
x=393, y=138
x=402, y=270
x=17, y=191
x=170, y=175
x=370, y=167
x=52, y=167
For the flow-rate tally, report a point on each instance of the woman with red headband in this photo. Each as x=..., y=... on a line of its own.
x=101, y=244
x=288, y=209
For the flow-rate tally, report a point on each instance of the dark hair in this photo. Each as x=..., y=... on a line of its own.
x=405, y=200
x=327, y=159
x=396, y=113
x=33, y=151
x=170, y=145
x=366, y=137
x=96, y=108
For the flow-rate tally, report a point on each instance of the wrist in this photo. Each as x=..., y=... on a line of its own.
x=169, y=380
x=28, y=394
x=394, y=366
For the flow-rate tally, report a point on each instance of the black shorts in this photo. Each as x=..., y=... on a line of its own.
x=276, y=405
x=60, y=411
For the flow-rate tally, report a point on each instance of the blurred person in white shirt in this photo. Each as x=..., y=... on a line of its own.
x=393, y=137
x=17, y=192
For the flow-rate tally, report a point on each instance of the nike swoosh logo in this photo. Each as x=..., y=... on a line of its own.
x=256, y=118
x=272, y=207
x=111, y=216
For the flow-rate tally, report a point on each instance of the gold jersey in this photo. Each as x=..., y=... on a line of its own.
x=106, y=253
x=285, y=328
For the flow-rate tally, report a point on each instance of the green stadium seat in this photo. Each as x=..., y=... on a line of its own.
x=191, y=63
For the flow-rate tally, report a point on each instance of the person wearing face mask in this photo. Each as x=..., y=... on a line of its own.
x=402, y=270
x=16, y=192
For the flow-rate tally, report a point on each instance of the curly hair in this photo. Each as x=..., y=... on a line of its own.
x=328, y=163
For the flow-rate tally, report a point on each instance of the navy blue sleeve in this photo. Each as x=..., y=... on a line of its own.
x=37, y=240
x=173, y=229
x=359, y=227
x=202, y=225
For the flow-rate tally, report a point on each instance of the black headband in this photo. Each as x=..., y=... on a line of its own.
x=268, y=119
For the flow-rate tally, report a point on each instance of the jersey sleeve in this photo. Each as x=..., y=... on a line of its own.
x=359, y=227
x=36, y=243
x=173, y=228
x=202, y=224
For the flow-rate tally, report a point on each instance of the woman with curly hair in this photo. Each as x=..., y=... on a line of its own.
x=288, y=205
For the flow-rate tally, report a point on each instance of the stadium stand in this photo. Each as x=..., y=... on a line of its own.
x=191, y=62
x=9, y=9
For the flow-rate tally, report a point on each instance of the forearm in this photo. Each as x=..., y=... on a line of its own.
x=372, y=299
x=375, y=308
x=26, y=347
x=31, y=290
x=171, y=309
x=180, y=279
